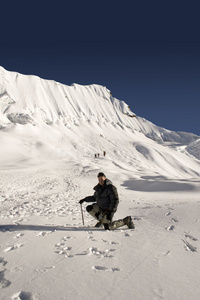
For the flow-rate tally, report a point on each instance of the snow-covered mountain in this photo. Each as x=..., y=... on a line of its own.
x=49, y=136
x=42, y=119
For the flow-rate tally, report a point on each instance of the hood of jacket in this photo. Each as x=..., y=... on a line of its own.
x=106, y=183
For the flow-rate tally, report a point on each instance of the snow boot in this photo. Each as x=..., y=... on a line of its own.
x=98, y=225
x=128, y=221
x=114, y=225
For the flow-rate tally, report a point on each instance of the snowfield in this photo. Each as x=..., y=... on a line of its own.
x=49, y=135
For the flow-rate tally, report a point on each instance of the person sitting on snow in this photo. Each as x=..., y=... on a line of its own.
x=106, y=202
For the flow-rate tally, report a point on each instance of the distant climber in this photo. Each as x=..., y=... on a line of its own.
x=104, y=153
x=105, y=205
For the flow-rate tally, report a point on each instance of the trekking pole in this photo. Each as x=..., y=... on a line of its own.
x=82, y=215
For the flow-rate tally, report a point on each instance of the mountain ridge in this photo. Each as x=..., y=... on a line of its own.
x=38, y=114
x=7, y=97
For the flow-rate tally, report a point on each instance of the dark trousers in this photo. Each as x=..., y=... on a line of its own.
x=96, y=212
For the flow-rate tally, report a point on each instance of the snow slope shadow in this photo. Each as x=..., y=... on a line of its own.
x=44, y=228
x=157, y=184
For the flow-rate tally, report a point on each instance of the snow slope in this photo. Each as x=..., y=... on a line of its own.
x=49, y=136
x=46, y=253
x=41, y=118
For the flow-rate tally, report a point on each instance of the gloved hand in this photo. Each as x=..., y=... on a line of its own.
x=109, y=215
x=81, y=201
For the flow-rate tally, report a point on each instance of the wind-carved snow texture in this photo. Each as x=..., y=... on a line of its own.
x=6, y=99
x=193, y=148
x=20, y=118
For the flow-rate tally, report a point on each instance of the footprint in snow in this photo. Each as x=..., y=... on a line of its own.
x=43, y=233
x=17, y=269
x=159, y=293
x=167, y=253
x=189, y=247
x=18, y=235
x=23, y=296
x=89, y=232
x=126, y=233
x=13, y=247
x=102, y=268
x=92, y=238
x=63, y=249
x=168, y=213
x=171, y=227
x=65, y=238
x=191, y=237
x=2, y=261
x=111, y=243
x=17, y=222
x=44, y=270
x=147, y=207
x=4, y=283
x=174, y=220
x=99, y=253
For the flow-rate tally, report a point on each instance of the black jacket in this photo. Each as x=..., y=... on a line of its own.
x=106, y=196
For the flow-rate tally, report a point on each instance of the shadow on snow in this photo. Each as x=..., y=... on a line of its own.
x=52, y=228
x=158, y=184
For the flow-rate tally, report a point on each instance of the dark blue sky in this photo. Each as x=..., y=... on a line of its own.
x=147, y=54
